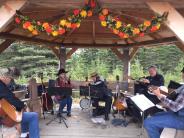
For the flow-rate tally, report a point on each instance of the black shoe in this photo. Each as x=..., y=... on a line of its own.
x=59, y=115
x=106, y=117
x=69, y=114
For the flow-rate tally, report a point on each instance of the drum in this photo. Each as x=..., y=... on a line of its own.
x=85, y=103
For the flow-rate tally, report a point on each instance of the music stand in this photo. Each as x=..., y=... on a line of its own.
x=59, y=91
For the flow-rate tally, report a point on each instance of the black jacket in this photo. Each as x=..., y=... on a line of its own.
x=157, y=80
x=10, y=97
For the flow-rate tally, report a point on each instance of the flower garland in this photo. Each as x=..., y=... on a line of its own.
x=74, y=20
x=127, y=30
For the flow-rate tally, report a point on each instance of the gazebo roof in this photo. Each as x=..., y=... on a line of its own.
x=91, y=33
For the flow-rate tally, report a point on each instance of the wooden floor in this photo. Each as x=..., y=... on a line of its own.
x=81, y=126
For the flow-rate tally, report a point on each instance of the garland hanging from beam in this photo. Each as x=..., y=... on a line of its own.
x=74, y=20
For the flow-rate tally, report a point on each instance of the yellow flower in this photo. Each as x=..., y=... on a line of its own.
x=158, y=26
x=118, y=24
x=78, y=25
x=55, y=33
x=104, y=23
x=83, y=13
x=30, y=28
x=63, y=22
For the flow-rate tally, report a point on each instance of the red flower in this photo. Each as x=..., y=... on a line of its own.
x=61, y=31
x=93, y=4
x=74, y=25
x=121, y=34
x=102, y=18
x=17, y=20
x=26, y=24
x=48, y=29
x=76, y=12
x=141, y=34
x=154, y=28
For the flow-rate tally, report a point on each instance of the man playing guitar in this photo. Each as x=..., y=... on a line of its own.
x=174, y=118
x=29, y=121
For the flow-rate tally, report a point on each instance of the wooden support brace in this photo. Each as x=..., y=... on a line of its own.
x=6, y=44
x=175, y=20
x=8, y=10
x=69, y=54
x=118, y=54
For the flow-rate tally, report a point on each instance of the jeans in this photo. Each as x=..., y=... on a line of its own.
x=66, y=101
x=155, y=124
x=30, y=124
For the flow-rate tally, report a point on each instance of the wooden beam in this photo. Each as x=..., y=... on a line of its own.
x=93, y=31
x=148, y=43
x=133, y=52
x=117, y=53
x=6, y=44
x=69, y=54
x=180, y=46
x=8, y=10
x=175, y=19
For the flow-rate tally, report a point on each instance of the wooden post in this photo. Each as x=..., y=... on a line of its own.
x=126, y=68
x=62, y=57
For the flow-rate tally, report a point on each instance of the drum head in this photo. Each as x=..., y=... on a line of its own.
x=85, y=103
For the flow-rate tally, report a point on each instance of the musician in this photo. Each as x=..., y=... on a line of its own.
x=107, y=97
x=155, y=79
x=173, y=118
x=63, y=81
x=29, y=119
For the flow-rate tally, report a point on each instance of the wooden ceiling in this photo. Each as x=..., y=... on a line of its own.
x=91, y=34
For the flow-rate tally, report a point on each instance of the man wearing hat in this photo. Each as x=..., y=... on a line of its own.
x=173, y=118
x=63, y=81
x=29, y=121
x=106, y=95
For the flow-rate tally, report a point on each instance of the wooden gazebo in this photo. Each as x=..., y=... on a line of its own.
x=91, y=34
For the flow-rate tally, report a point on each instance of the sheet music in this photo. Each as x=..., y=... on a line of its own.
x=142, y=102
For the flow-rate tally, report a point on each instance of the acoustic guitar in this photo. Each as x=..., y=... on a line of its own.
x=8, y=114
x=118, y=104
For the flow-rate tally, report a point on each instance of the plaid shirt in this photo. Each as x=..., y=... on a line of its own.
x=176, y=105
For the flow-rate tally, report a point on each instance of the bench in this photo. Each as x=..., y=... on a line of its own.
x=172, y=133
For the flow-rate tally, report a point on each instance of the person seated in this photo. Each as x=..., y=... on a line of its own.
x=63, y=81
x=29, y=121
x=173, y=118
x=105, y=96
x=142, y=88
x=155, y=79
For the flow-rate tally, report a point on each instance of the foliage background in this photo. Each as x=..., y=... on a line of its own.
x=33, y=60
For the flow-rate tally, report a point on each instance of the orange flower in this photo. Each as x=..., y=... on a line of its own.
x=153, y=28
x=90, y=13
x=78, y=25
x=115, y=31
x=35, y=32
x=26, y=24
x=48, y=29
x=147, y=23
x=68, y=25
x=45, y=25
x=136, y=31
x=74, y=25
x=126, y=36
x=105, y=12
